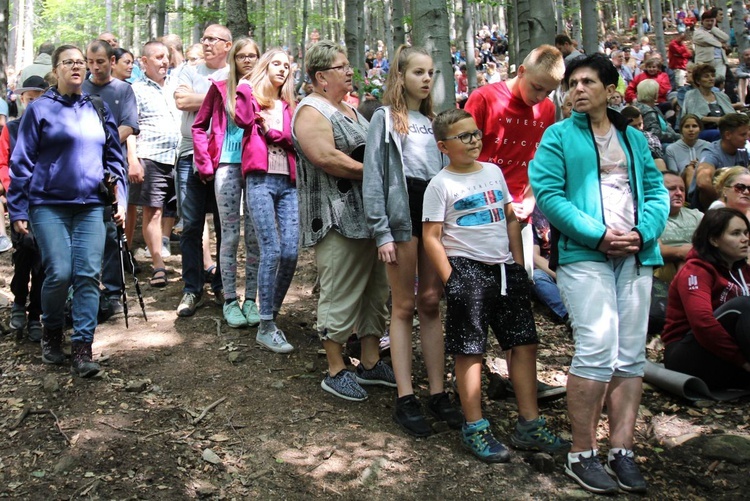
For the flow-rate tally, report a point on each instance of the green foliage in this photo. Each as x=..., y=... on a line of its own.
x=69, y=21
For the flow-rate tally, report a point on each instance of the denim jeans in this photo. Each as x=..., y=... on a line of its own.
x=199, y=200
x=183, y=169
x=228, y=187
x=71, y=241
x=272, y=203
x=546, y=290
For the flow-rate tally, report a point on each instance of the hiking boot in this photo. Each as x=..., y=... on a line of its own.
x=343, y=385
x=590, y=474
x=250, y=311
x=441, y=408
x=17, y=317
x=35, y=331
x=408, y=414
x=82, y=364
x=274, y=341
x=623, y=469
x=233, y=315
x=189, y=303
x=52, y=346
x=110, y=307
x=479, y=440
x=380, y=373
x=535, y=436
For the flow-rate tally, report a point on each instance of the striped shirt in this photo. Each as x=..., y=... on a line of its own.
x=157, y=121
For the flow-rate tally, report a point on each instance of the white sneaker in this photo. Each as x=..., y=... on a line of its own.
x=274, y=341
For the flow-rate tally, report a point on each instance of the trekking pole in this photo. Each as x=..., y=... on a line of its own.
x=120, y=249
x=126, y=252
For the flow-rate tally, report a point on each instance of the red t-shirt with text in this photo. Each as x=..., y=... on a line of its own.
x=512, y=131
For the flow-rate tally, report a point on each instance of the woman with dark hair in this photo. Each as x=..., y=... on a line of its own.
x=705, y=102
x=682, y=157
x=63, y=150
x=595, y=180
x=123, y=67
x=707, y=331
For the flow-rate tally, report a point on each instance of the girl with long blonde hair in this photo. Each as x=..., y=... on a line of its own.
x=265, y=105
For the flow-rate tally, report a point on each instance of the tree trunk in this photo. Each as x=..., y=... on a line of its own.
x=541, y=23
x=658, y=25
x=15, y=38
x=575, y=28
x=739, y=27
x=237, y=21
x=468, y=36
x=28, y=35
x=197, y=25
x=108, y=15
x=589, y=26
x=353, y=39
x=388, y=21
x=559, y=16
x=399, y=34
x=639, y=20
x=4, y=13
x=161, y=17
x=523, y=33
x=430, y=30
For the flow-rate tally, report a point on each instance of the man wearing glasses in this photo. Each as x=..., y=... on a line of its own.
x=196, y=198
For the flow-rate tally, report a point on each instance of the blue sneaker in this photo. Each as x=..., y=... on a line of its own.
x=479, y=440
x=250, y=310
x=233, y=315
x=535, y=436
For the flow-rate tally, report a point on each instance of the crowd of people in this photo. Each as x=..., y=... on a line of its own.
x=577, y=169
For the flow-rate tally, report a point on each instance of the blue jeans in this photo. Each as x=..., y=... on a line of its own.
x=199, y=200
x=273, y=206
x=546, y=290
x=71, y=241
x=183, y=169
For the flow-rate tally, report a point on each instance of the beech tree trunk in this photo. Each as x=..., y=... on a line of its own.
x=467, y=34
x=430, y=30
x=355, y=50
x=237, y=21
x=589, y=26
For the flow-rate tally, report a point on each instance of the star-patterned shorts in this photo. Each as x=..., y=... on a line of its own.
x=475, y=302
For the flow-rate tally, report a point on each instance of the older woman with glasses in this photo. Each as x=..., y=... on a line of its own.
x=733, y=186
x=64, y=148
x=329, y=136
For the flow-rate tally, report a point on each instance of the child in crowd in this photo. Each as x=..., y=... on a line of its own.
x=473, y=238
x=400, y=159
x=616, y=101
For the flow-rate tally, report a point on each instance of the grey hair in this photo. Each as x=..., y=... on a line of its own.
x=320, y=57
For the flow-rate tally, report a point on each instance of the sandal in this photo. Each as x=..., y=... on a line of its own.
x=209, y=274
x=159, y=278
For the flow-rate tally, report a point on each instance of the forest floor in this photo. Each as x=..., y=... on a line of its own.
x=190, y=408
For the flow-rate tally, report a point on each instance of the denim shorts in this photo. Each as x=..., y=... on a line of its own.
x=475, y=298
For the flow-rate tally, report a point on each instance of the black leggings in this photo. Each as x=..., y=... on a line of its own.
x=689, y=357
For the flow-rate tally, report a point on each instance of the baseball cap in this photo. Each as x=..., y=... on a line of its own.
x=34, y=82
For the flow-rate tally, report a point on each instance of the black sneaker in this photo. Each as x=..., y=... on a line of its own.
x=590, y=474
x=441, y=408
x=623, y=469
x=408, y=415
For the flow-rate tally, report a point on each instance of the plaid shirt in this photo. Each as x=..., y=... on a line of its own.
x=157, y=121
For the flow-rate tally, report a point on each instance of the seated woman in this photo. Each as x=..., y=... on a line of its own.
x=707, y=332
x=653, y=119
x=733, y=188
x=706, y=102
x=682, y=157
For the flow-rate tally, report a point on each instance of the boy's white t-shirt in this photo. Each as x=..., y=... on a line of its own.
x=471, y=207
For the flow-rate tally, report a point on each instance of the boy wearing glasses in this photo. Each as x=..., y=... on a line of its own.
x=473, y=238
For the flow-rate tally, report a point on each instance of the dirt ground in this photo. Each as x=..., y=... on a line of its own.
x=190, y=408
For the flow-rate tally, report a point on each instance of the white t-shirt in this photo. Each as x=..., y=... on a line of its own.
x=420, y=152
x=472, y=209
x=617, y=196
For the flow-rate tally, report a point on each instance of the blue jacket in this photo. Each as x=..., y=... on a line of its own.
x=58, y=158
x=564, y=175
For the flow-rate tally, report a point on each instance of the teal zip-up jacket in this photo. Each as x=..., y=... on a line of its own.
x=565, y=178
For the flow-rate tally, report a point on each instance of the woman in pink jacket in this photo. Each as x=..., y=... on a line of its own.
x=265, y=104
x=219, y=145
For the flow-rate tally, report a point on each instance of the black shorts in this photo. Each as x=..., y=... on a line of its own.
x=157, y=187
x=474, y=298
x=416, y=188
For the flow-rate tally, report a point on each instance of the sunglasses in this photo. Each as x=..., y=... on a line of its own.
x=741, y=188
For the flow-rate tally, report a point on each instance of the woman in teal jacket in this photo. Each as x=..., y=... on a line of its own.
x=594, y=179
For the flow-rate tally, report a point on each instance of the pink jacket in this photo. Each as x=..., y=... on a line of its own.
x=212, y=115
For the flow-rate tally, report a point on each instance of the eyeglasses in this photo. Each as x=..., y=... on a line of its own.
x=467, y=137
x=345, y=67
x=212, y=40
x=740, y=188
x=72, y=63
x=245, y=57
